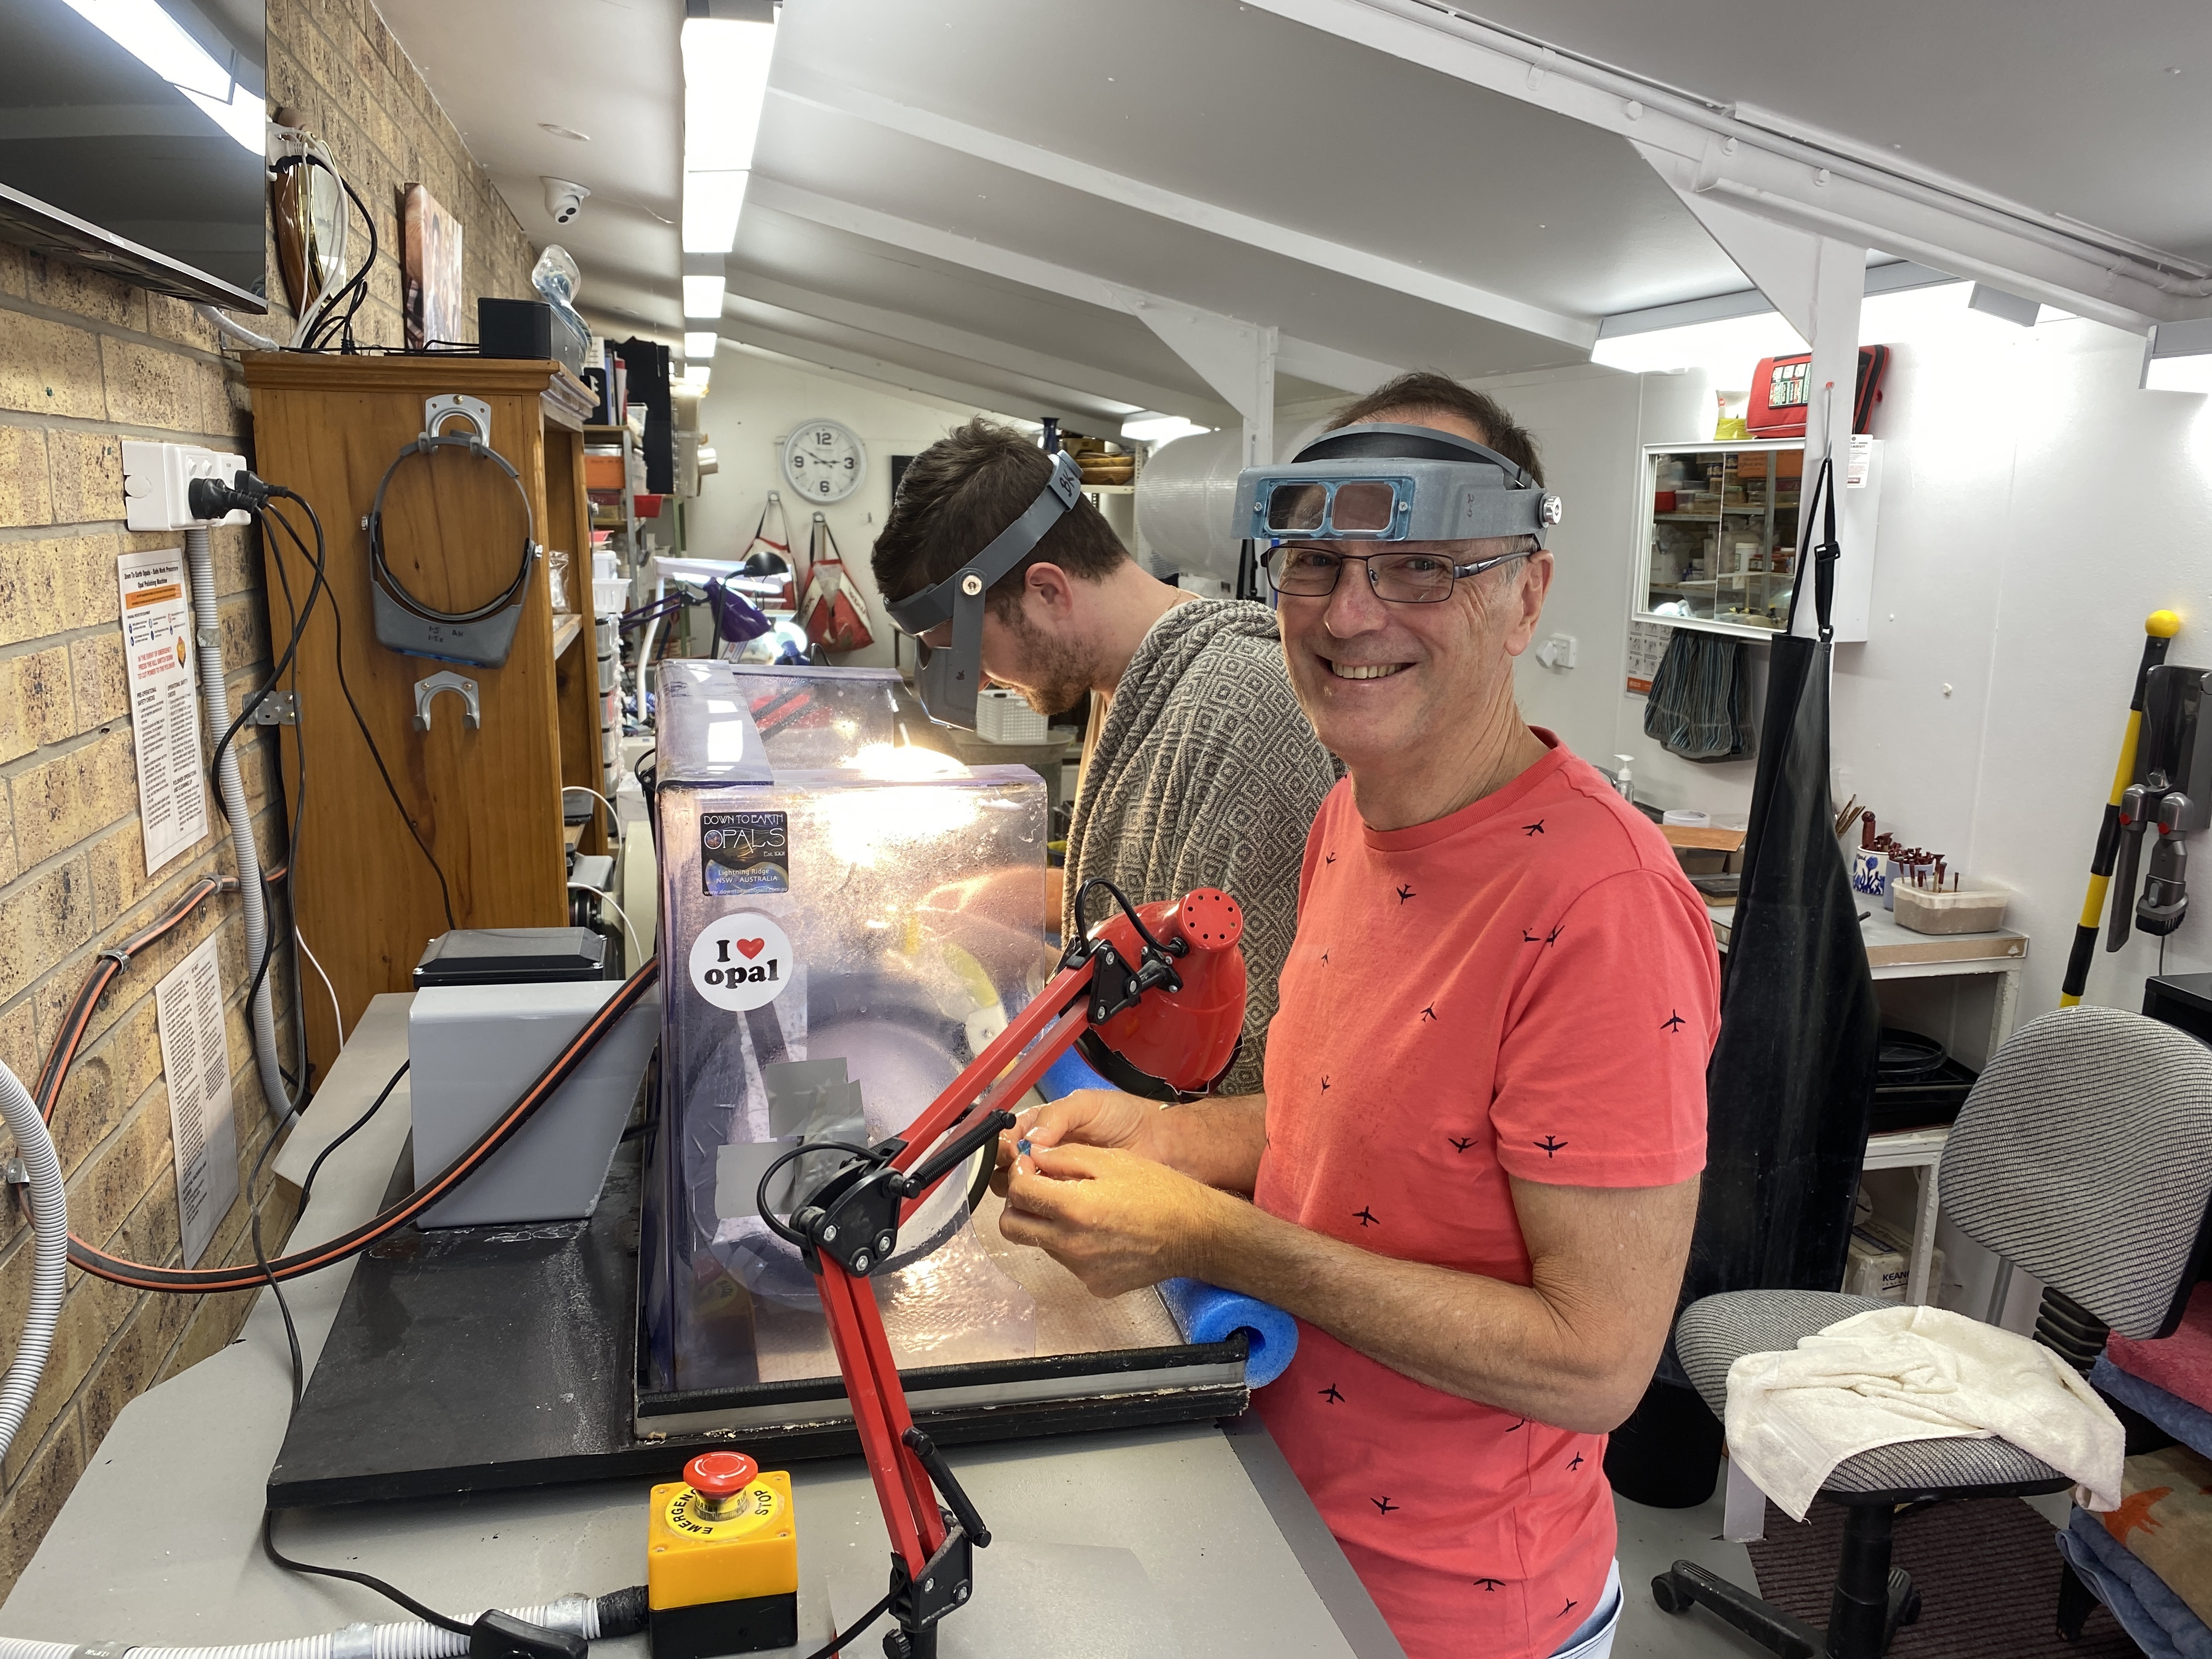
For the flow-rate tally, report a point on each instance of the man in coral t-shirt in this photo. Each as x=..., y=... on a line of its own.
x=1474, y=1166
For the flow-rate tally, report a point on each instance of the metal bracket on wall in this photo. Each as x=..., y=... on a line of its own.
x=277, y=708
x=445, y=680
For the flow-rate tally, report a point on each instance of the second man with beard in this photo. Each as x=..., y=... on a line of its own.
x=1204, y=773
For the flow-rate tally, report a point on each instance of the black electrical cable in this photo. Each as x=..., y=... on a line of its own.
x=389, y=1592
x=354, y=289
x=292, y=1105
x=853, y=1629
x=477, y=444
x=337, y=652
x=307, y=1186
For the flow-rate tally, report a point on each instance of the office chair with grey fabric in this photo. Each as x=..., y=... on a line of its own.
x=2083, y=1156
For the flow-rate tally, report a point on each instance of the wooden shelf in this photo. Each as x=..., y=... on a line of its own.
x=566, y=629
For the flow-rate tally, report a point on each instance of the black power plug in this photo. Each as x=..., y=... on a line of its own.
x=209, y=499
x=499, y=1635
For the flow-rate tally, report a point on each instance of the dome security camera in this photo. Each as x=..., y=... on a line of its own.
x=564, y=199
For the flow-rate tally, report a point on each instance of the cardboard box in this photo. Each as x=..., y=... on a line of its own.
x=1880, y=1262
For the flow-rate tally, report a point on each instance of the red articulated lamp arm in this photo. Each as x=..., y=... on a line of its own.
x=1163, y=987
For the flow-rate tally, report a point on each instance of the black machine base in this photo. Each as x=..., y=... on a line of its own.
x=443, y=1373
x=752, y=1626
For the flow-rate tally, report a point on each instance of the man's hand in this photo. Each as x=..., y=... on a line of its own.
x=1116, y=1220
x=1086, y=1117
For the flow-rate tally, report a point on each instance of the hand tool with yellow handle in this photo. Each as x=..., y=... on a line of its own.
x=2159, y=629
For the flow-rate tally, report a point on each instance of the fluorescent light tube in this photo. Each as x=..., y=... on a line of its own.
x=1160, y=428
x=726, y=65
x=699, y=344
x=702, y=297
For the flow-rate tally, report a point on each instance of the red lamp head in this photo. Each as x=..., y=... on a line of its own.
x=1177, y=1044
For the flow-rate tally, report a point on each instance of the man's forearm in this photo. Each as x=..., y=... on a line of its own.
x=1507, y=1346
x=1216, y=1141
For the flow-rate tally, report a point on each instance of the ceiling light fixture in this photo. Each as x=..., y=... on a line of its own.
x=1152, y=428
x=699, y=344
x=697, y=374
x=703, y=297
x=560, y=131
x=2177, y=358
x=726, y=65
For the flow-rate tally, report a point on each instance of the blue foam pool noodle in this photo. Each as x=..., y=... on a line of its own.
x=1206, y=1313
x=1068, y=1074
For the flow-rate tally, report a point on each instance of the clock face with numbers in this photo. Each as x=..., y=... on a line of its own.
x=824, y=461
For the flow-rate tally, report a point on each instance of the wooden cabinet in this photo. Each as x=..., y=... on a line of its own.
x=486, y=799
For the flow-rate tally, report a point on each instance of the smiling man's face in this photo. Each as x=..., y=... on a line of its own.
x=1387, y=684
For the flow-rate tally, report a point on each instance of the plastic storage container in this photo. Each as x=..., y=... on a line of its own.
x=837, y=944
x=1006, y=717
x=818, y=717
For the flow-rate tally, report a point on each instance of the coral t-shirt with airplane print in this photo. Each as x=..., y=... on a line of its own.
x=1526, y=988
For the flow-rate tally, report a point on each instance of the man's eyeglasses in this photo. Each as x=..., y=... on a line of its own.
x=1309, y=572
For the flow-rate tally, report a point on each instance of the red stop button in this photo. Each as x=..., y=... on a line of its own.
x=719, y=1473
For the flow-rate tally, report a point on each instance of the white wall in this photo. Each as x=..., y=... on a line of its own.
x=752, y=404
x=2036, y=506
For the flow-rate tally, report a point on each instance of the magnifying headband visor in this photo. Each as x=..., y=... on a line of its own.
x=1386, y=483
x=949, y=676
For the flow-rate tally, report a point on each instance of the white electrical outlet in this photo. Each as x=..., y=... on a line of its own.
x=1557, y=651
x=156, y=476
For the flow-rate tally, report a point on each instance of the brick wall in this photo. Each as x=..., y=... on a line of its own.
x=86, y=362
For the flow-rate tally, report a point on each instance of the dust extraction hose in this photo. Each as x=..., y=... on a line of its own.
x=50, y=1259
x=207, y=628
x=589, y=1617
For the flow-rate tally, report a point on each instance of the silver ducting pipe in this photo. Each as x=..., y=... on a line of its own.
x=207, y=629
x=50, y=1259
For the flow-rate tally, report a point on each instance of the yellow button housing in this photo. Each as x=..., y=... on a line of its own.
x=692, y=1560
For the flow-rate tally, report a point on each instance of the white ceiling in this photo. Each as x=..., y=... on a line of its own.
x=962, y=199
x=2101, y=112
x=608, y=68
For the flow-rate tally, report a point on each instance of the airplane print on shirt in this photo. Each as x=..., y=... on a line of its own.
x=1406, y=892
x=1460, y=1143
x=1550, y=1146
x=1535, y=829
x=1333, y=1395
x=1367, y=1218
x=1385, y=1504
x=1490, y=1586
x=1675, y=1024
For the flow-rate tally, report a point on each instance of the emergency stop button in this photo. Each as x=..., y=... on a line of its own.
x=719, y=1478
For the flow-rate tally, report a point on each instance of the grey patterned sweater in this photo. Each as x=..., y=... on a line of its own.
x=1205, y=774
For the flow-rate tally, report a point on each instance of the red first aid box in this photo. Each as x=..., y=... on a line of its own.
x=1781, y=387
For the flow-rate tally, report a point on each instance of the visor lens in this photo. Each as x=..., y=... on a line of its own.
x=1296, y=508
x=1363, y=508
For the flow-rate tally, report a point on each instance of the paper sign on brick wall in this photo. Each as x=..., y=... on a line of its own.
x=196, y=1060
x=165, y=715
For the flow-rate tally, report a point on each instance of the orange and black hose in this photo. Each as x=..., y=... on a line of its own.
x=2159, y=629
x=251, y=1275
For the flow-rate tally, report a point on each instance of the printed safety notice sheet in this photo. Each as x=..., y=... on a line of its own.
x=196, y=1060
x=165, y=715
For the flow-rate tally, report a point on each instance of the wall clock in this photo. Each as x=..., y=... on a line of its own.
x=824, y=461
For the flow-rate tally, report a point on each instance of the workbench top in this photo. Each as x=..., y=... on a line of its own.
x=159, y=1542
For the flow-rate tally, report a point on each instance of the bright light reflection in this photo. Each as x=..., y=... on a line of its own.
x=904, y=763
x=1161, y=428
x=1727, y=350
x=157, y=40
x=868, y=826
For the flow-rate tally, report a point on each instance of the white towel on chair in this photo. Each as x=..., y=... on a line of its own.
x=1914, y=1373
